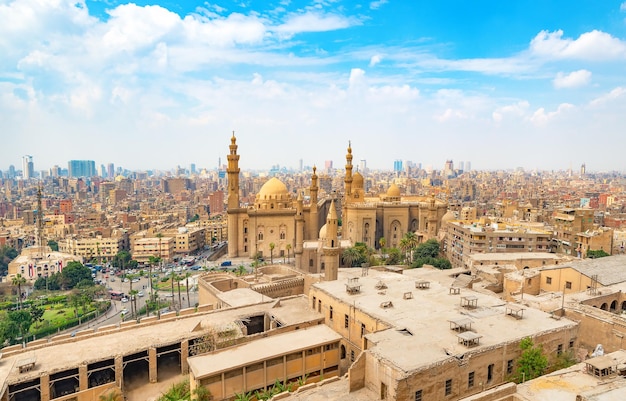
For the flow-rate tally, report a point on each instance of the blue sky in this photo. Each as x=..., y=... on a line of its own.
x=153, y=85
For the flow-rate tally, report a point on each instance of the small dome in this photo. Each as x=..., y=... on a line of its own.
x=393, y=191
x=357, y=181
x=274, y=188
x=323, y=232
x=449, y=216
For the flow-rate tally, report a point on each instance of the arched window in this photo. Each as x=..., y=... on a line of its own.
x=613, y=306
x=604, y=306
x=343, y=351
x=260, y=236
x=282, y=235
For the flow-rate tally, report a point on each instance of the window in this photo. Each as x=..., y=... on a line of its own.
x=346, y=320
x=362, y=329
x=509, y=366
x=319, y=305
x=351, y=355
x=559, y=349
x=571, y=343
x=418, y=395
x=448, y=386
x=548, y=280
x=568, y=285
x=470, y=380
x=490, y=373
x=330, y=311
x=314, y=302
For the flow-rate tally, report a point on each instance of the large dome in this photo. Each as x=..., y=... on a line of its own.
x=357, y=181
x=274, y=188
x=393, y=191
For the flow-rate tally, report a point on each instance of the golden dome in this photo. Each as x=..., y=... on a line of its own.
x=274, y=188
x=393, y=191
x=357, y=181
x=322, y=234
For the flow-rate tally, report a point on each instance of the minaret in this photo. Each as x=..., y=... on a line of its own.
x=313, y=229
x=299, y=232
x=347, y=183
x=233, y=198
x=331, y=248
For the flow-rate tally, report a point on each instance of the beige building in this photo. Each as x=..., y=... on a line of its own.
x=98, y=247
x=418, y=336
x=142, y=248
x=34, y=262
x=187, y=239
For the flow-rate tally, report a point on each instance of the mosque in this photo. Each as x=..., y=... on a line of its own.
x=279, y=225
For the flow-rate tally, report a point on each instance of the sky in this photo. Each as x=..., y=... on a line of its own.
x=159, y=84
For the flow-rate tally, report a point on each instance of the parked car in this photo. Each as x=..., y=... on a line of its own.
x=140, y=294
x=124, y=300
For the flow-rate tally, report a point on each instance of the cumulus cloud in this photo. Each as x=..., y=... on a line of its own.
x=375, y=60
x=516, y=110
x=541, y=117
x=595, y=45
x=574, y=79
x=609, y=97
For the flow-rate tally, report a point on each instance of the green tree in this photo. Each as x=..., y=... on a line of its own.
x=111, y=395
x=351, y=257
x=7, y=254
x=23, y=320
x=288, y=248
x=187, y=275
x=427, y=249
x=53, y=245
x=591, y=254
x=532, y=362
x=394, y=256
x=272, y=246
x=74, y=273
x=8, y=329
x=18, y=281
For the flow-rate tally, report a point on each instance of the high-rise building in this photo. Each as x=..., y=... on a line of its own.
x=81, y=168
x=363, y=166
x=103, y=171
x=192, y=168
x=110, y=170
x=461, y=166
x=397, y=166
x=328, y=165
x=28, y=169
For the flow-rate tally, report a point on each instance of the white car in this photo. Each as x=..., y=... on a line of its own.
x=124, y=300
x=140, y=294
x=135, y=280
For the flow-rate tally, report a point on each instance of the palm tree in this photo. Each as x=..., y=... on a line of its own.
x=130, y=278
x=18, y=281
x=350, y=255
x=187, y=274
x=288, y=247
x=172, y=277
x=272, y=246
x=412, y=242
x=404, y=247
x=382, y=242
x=180, y=303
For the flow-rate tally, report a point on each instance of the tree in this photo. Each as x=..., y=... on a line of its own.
x=111, y=395
x=53, y=245
x=351, y=256
x=394, y=256
x=8, y=329
x=74, y=273
x=427, y=249
x=7, y=254
x=532, y=362
x=594, y=254
x=18, y=281
x=288, y=248
x=187, y=275
x=132, y=293
x=272, y=246
x=22, y=320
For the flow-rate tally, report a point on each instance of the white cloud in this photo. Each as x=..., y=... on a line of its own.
x=375, y=5
x=541, y=117
x=609, y=97
x=375, y=60
x=357, y=78
x=574, y=79
x=313, y=21
x=622, y=6
x=595, y=45
x=516, y=110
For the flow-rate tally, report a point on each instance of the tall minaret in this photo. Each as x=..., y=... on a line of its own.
x=347, y=183
x=299, y=232
x=313, y=229
x=233, y=198
x=330, y=251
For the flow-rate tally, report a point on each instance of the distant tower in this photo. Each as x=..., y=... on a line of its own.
x=233, y=197
x=363, y=166
x=347, y=182
x=28, y=169
x=330, y=251
x=110, y=170
x=582, y=169
x=397, y=166
x=313, y=230
x=299, y=231
x=192, y=168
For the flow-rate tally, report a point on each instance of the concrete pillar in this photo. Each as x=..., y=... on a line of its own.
x=184, y=354
x=83, y=378
x=152, y=364
x=44, y=386
x=119, y=371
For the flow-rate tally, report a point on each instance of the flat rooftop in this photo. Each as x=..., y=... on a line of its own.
x=512, y=256
x=566, y=384
x=55, y=357
x=420, y=333
x=610, y=270
x=260, y=350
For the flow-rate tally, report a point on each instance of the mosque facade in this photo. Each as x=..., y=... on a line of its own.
x=278, y=224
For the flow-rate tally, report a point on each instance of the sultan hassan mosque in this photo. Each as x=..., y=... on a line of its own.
x=281, y=218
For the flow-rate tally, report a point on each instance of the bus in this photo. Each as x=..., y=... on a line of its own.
x=116, y=295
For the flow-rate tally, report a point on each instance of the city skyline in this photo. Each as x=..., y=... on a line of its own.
x=155, y=86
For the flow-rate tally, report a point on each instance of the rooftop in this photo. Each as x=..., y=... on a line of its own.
x=610, y=270
x=420, y=333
